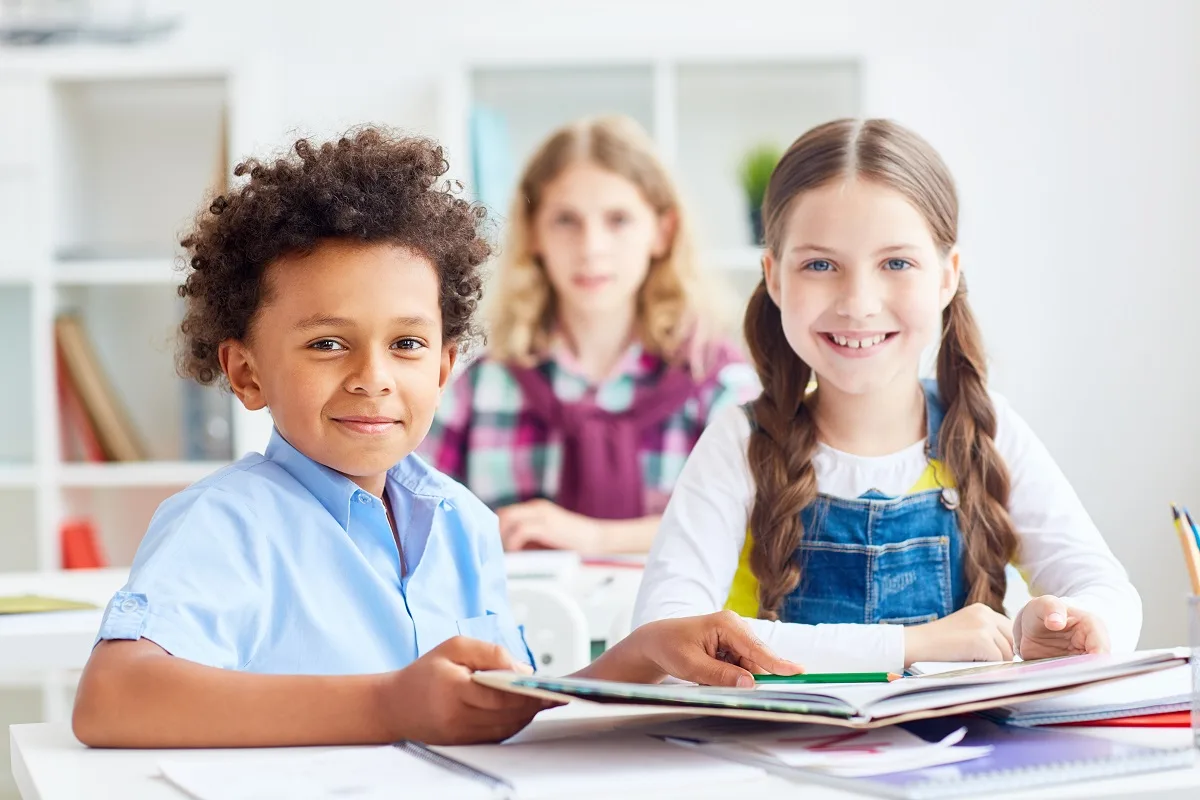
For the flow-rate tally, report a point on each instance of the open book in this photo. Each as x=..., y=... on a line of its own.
x=857, y=705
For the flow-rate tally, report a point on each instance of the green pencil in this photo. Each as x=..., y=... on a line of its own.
x=830, y=677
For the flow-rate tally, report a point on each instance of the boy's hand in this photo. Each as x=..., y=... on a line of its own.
x=434, y=700
x=715, y=649
x=542, y=524
x=974, y=633
x=1048, y=627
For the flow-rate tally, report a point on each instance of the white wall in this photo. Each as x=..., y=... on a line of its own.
x=1072, y=128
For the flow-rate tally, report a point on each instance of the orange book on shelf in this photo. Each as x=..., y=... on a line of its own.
x=78, y=436
x=110, y=420
x=81, y=545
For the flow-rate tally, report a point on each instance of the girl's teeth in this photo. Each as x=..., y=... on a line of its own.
x=856, y=344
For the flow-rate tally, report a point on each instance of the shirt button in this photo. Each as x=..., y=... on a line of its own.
x=129, y=605
x=362, y=498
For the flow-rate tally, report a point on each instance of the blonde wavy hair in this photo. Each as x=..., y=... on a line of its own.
x=676, y=314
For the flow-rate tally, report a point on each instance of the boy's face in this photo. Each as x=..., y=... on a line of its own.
x=347, y=354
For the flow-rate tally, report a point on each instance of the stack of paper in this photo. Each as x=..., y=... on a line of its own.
x=827, y=749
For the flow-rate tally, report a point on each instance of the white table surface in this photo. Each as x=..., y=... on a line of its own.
x=50, y=764
x=56, y=640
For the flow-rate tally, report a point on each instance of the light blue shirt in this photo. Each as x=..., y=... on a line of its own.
x=278, y=564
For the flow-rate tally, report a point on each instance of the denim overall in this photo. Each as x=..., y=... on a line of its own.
x=880, y=559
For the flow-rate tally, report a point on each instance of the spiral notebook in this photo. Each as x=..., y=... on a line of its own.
x=1019, y=758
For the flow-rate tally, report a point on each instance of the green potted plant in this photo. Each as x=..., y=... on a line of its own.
x=754, y=174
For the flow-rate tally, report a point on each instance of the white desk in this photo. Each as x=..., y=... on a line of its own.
x=57, y=640
x=49, y=764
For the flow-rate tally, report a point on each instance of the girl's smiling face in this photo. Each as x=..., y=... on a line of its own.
x=860, y=283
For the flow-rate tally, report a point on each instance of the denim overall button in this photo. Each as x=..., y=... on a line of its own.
x=950, y=497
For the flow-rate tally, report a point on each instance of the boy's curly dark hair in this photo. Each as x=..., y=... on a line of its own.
x=371, y=186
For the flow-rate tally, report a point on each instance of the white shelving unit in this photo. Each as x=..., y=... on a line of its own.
x=704, y=112
x=105, y=157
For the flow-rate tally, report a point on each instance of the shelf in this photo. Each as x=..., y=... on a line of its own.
x=17, y=477
x=113, y=271
x=137, y=474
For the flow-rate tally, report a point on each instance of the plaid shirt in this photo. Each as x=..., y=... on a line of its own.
x=483, y=436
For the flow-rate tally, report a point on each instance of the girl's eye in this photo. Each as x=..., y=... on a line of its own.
x=409, y=343
x=897, y=264
x=820, y=265
x=564, y=219
x=327, y=345
x=617, y=219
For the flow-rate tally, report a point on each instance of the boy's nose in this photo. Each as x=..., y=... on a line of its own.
x=371, y=376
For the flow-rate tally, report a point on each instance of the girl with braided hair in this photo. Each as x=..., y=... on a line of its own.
x=859, y=516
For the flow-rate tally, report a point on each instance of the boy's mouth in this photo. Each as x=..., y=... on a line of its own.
x=372, y=426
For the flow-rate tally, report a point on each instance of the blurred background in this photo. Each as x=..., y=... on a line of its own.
x=1071, y=127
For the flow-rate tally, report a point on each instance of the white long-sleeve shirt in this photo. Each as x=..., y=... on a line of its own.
x=695, y=555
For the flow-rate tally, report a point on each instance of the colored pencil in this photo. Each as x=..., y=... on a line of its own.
x=830, y=677
x=1191, y=552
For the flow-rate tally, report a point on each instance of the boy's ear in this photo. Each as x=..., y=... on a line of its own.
x=449, y=357
x=951, y=272
x=238, y=366
x=668, y=223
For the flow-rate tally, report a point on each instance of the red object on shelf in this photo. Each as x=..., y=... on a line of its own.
x=81, y=545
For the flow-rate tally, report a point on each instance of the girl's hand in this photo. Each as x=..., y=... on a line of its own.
x=714, y=649
x=1048, y=627
x=540, y=524
x=974, y=633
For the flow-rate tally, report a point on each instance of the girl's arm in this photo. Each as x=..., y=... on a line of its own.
x=694, y=558
x=1059, y=549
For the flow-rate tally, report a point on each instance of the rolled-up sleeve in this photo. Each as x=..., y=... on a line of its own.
x=199, y=586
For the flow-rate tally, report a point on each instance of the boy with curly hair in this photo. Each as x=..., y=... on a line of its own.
x=335, y=589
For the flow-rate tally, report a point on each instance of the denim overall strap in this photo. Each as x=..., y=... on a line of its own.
x=880, y=559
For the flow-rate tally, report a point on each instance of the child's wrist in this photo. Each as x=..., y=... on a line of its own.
x=384, y=688
x=914, y=644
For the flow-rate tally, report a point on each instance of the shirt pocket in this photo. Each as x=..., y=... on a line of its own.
x=493, y=628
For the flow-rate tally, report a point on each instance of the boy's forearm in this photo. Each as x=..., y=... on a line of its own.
x=157, y=700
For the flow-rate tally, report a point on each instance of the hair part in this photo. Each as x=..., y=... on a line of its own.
x=784, y=437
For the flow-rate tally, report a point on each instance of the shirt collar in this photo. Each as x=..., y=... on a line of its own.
x=635, y=361
x=334, y=490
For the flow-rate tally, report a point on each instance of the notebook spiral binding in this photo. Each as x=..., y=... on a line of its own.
x=499, y=786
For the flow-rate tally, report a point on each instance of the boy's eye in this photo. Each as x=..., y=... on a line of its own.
x=408, y=343
x=327, y=345
x=896, y=264
x=820, y=265
x=618, y=218
x=564, y=219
